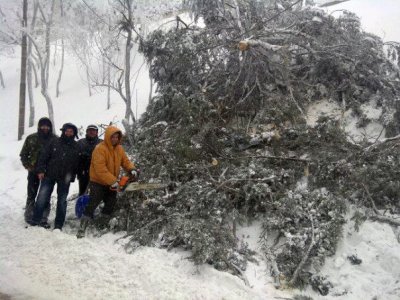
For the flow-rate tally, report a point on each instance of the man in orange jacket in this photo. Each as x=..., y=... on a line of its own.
x=107, y=159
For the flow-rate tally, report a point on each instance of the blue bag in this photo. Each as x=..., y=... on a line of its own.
x=81, y=204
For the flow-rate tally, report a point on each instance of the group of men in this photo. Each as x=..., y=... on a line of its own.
x=51, y=160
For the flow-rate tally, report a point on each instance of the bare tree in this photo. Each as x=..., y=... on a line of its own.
x=22, y=87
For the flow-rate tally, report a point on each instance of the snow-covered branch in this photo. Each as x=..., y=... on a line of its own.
x=245, y=45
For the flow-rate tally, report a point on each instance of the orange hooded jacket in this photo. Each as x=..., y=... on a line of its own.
x=107, y=160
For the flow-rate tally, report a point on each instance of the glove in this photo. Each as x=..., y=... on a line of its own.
x=135, y=173
x=114, y=186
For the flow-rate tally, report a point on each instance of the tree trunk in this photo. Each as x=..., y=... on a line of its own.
x=137, y=100
x=151, y=91
x=48, y=49
x=22, y=87
x=43, y=82
x=108, y=86
x=62, y=50
x=29, y=73
x=30, y=95
x=61, y=68
x=109, y=69
x=55, y=52
x=128, y=47
x=34, y=72
x=88, y=81
x=2, y=81
x=45, y=93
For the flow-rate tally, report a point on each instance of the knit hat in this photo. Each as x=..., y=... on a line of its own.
x=45, y=121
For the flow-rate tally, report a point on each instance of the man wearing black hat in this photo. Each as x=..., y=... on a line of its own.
x=58, y=164
x=33, y=144
x=86, y=146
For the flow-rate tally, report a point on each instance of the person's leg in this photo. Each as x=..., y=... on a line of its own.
x=62, y=194
x=96, y=192
x=96, y=195
x=33, y=186
x=46, y=212
x=110, y=199
x=42, y=200
x=83, y=184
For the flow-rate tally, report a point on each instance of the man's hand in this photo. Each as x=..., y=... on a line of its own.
x=135, y=173
x=114, y=186
x=40, y=176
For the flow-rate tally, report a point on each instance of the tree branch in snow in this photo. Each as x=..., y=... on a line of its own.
x=245, y=45
x=378, y=216
x=381, y=142
x=271, y=157
x=371, y=200
x=306, y=256
x=385, y=219
x=240, y=274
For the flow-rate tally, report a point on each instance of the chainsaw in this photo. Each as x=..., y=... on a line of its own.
x=123, y=183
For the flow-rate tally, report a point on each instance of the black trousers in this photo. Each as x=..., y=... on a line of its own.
x=32, y=190
x=83, y=184
x=98, y=193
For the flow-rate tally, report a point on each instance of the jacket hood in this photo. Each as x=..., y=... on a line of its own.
x=71, y=126
x=109, y=132
x=45, y=121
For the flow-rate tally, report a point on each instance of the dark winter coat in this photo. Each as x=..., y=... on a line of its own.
x=60, y=159
x=34, y=144
x=86, y=147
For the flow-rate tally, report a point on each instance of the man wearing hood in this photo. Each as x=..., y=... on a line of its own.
x=58, y=164
x=29, y=154
x=86, y=146
x=107, y=159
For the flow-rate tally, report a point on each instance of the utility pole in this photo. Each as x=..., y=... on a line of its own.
x=22, y=85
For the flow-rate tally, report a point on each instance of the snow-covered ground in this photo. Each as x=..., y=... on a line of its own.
x=43, y=264
x=377, y=276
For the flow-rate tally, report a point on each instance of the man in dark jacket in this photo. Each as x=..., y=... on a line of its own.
x=58, y=163
x=29, y=154
x=86, y=146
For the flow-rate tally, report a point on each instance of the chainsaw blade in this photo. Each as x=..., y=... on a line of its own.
x=136, y=186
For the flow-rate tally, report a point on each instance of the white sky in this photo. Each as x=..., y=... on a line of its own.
x=381, y=17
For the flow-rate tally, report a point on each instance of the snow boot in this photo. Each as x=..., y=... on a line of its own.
x=102, y=222
x=44, y=224
x=82, y=228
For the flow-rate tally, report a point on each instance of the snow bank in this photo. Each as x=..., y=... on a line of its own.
x=379, y=273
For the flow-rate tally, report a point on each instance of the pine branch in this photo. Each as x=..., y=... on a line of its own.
x=381, y=142
x=306, y=256
x=378, y=216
